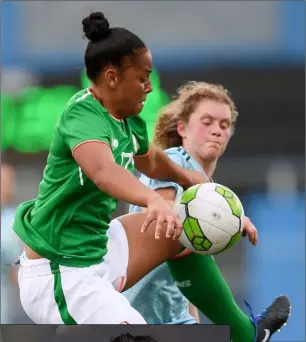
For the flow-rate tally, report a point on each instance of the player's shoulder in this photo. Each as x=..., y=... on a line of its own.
x=83, y=106
x=81, y=99
x=177, y=155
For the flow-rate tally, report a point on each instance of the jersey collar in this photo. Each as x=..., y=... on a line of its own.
x=103, y=108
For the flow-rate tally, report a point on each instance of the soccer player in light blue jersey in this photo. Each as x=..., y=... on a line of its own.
x=168, y=305
x=194, y=131
x=182, y=145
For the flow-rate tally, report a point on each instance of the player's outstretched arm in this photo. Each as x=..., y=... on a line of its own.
x=97, y=162
x=157, y=165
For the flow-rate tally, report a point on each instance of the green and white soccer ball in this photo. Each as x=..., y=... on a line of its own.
x=212, y=217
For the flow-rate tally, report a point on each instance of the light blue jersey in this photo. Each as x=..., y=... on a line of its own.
x=156, y=296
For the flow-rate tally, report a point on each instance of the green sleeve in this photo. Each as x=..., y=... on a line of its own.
x=139, y=129
x=82, y=122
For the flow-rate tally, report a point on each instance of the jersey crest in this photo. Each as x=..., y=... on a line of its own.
x=115, y=143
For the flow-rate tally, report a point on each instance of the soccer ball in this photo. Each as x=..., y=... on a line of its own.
x=212, y=217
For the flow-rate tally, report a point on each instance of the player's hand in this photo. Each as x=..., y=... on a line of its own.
x=250, y=230
x=159, y=210
x=194, y=177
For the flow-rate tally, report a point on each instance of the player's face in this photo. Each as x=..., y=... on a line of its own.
x=135, y=85
x=208, y=131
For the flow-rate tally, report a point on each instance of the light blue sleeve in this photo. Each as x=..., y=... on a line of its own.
x=154, y=184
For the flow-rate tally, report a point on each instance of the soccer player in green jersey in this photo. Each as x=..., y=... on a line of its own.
x=70, y=272
x=98, y=140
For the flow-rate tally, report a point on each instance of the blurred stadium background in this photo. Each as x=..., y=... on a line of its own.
x=256, y=49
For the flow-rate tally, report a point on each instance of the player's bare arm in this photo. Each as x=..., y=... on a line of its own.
x=168, y=194
x=157, y=165
x=250, y=231
x=97, y=162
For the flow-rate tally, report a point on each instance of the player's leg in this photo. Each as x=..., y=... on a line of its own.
x=214, y=299
x=206, y=289
x=55, y=294
x=145, y=252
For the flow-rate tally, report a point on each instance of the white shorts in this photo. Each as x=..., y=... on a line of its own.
x=117, y=256
x=55, y=294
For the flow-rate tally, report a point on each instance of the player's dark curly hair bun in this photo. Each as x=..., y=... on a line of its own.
x=95, y=26
x=106, y=45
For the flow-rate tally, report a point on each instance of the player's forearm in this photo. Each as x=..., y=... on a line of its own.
x=165, y=169
x=123, y=185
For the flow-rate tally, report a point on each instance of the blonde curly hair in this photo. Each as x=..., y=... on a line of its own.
x=182, y=107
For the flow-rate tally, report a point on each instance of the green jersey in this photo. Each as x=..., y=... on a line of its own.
x=68, y=220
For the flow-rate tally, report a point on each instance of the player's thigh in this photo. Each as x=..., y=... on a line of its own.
x=70, y=295
x=145, y=252
x=95, y=301
x=36, y=290
x=117, y=255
